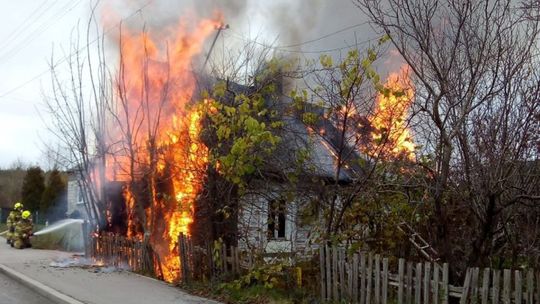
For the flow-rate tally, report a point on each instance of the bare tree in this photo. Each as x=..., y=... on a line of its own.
x=469, y=59
x=78, y=106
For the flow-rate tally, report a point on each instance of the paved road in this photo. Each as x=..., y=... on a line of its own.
x=86, y=285
x=11, y=292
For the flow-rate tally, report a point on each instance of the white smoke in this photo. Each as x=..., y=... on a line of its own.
x=279, y=22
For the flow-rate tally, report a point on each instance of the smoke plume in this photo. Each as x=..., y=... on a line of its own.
x=287, y=25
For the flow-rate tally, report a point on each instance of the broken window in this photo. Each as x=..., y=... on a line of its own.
x=276, y=219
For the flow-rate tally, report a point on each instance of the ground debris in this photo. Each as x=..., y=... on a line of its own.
x=78, y=261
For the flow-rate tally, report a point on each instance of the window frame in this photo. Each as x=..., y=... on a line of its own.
x=277, y=220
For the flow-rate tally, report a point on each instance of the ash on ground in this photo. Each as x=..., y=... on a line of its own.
x=89, y=264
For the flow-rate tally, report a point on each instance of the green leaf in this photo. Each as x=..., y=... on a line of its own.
x=326, y=61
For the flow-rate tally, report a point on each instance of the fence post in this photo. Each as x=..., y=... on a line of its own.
x=427, y=281
x=335, y=290
x=474, y=285
x=530, y=287
x=350, y=281
x=466, y=287
x=355, y=279
x=210, y=258
x=485, y=286
x=322, y=268
x=181, y=256
x=418, y=285
x=445, y=284
x=436, y=283
x=182, y=242
x=341, y=269
x=518, y=293
x=401, y=270
x=223, y=255
x=385, y=281
x=377, y=270
x=363, y=278
x=369, y=276
x=328, y=256
x=233, y=266
x=507, y=274
x=409, y=298
x=234, y=256
x=538, y=287
x=496, y=286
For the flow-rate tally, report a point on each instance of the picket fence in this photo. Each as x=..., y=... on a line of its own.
x=365, y=278
x=361, y=277
x=119, y=251
x=221, y=260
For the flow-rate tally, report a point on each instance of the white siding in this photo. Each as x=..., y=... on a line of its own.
x=74, y=201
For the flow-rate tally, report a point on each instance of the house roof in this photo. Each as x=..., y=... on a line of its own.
x=322, y=149
x=296, y=135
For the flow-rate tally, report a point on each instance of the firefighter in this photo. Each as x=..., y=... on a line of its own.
x=12, y=220
x=23, y=231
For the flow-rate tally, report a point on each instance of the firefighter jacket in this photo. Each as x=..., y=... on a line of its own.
x=23, y=229
x=12, y=220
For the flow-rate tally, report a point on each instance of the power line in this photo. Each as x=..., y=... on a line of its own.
x=24, y=83
x=75, y=52
x=286, y=48
x=283, y=50
x=39, y=30
x=325, y=36
x=24, y=25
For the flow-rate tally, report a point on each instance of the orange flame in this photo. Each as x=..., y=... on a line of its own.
x=129, y=198
x=390, y=117
x=156, y=84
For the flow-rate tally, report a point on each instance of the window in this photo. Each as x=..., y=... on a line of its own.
x=276, y=219
x=80, y=199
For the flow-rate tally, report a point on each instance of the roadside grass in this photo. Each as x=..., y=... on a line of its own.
x=255, y=294
x=265, y=284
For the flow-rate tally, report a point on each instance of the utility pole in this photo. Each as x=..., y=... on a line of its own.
x=219, y=29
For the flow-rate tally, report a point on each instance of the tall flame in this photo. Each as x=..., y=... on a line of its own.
x=390, y=119
x=160, y=132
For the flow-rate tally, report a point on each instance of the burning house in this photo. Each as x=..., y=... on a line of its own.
x=154, y=179
x=268, y=217
x=273, y=222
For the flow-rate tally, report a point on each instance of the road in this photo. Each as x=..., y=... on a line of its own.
x=82, y=284
x=11, y=292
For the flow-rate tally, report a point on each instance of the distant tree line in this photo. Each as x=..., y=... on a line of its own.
x=45, y=192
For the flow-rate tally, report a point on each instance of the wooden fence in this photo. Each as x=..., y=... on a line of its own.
x=221, y=259
x=362, y=277
x=120, y=251
x=366, y=278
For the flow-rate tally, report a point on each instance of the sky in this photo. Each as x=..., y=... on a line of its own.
x=30, y=30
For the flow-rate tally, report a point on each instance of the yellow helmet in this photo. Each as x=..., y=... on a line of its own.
x=18, y=206
x=26, y=214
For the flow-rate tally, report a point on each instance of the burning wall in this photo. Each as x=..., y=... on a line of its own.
x=157, y=151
